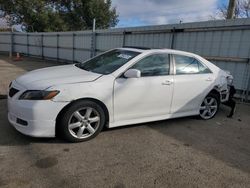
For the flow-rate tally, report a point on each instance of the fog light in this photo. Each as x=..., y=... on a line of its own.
x=21, y=122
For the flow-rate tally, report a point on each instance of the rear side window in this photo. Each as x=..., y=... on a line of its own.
x=153, y=65
x=189, y=65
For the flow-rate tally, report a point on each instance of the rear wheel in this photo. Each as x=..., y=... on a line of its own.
x=209, y=106
x=82, y=121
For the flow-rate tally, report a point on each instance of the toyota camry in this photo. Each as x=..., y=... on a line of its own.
x=119, y=87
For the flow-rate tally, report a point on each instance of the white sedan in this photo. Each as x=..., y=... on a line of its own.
x=120, y=87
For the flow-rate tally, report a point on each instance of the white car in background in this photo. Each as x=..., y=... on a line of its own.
x=120, y=87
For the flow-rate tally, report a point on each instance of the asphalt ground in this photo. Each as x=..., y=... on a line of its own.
x=184, y=152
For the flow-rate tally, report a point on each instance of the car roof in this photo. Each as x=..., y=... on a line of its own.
x=155, y=50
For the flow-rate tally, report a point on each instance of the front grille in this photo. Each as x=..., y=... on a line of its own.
x=13, y=91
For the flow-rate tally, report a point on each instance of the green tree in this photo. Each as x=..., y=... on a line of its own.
x=55, y=15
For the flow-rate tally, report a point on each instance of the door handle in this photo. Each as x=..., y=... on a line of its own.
x=209, y=79
x=167, y=82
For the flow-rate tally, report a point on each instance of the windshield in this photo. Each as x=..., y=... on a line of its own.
x=108, y=62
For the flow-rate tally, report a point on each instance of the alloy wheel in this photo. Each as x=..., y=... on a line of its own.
x=84, y=122
x=208, y=107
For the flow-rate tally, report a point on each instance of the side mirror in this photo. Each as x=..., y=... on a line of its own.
x=132, y=73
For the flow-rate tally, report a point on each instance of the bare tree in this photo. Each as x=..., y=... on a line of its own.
x=242, y=10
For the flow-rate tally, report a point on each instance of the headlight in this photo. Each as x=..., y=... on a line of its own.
x=38, y=95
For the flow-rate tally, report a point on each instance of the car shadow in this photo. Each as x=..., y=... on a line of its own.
x=221, y=138
x=226, y=139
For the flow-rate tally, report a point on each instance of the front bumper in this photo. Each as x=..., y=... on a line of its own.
x=39, y=117
x=35, y=118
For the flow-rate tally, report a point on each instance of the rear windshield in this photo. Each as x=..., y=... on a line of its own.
x=108, y=62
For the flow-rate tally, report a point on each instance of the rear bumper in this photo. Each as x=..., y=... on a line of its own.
x=228, y=93
x=224, y=95
x=34, y=118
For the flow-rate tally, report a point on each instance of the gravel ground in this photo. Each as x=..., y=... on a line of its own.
x=184, y=152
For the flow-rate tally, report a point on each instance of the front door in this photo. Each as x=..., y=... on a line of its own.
x=147, y=96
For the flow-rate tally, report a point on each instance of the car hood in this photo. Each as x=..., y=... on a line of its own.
x=47, y=77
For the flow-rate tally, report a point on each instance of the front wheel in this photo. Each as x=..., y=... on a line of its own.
x=82, y=121
x=209, y=106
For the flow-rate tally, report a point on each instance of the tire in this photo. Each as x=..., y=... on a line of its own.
x=209, y=106
x=81, y=121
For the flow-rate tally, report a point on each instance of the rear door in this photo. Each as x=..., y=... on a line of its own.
x=192, y=82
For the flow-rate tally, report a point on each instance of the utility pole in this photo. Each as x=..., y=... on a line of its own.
x=231, y=9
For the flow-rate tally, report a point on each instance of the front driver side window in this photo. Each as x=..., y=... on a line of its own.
x=153, y=65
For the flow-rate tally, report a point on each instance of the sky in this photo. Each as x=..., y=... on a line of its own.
x=157, y=12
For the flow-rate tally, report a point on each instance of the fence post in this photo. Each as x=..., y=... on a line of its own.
x=245, y=93
x=27, y=44
x=42, y=46
x=11, y=44
x=125, y=33
x=73, y=47
x=57, y=47
x=124, y=38
x=93, y=44
x=173, y=38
